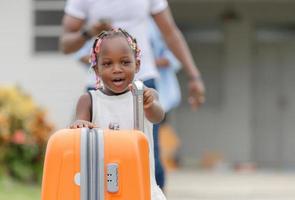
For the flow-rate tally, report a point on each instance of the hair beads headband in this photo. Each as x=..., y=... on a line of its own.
x=97, y=44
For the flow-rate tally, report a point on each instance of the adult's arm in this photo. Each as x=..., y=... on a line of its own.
x=175, y=41
x=177, y=44
x=71, y=38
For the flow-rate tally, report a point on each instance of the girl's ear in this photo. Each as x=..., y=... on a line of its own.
x=137, y=67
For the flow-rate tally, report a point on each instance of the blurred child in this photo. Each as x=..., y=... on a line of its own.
x=115, y=60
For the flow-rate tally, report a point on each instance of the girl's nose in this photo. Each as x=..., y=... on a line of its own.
x=117, y=68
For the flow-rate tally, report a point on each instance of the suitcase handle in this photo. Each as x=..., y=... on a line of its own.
x=138, y=113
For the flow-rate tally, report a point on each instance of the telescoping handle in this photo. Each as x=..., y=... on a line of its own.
x=138, y=112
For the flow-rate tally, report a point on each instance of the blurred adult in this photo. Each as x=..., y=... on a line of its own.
x=84, y=19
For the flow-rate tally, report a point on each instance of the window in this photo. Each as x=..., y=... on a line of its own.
x=47, y=24
x=275, y=32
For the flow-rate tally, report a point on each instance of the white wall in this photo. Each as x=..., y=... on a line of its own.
x=55, y=81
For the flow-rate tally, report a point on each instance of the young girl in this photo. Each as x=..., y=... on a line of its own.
x=115, y=60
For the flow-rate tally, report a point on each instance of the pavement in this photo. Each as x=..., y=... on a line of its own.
x=230, y=185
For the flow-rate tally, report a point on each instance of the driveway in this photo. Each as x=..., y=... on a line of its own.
x=200, y=185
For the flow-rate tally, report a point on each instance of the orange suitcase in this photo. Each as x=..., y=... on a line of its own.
x=96, y=164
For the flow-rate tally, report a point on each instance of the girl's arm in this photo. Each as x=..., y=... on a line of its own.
x=152, y=108
x=83, y=110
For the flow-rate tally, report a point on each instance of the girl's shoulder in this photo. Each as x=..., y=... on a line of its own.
x=85, y=99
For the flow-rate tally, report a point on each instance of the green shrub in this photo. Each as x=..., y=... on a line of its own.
x=24, y=131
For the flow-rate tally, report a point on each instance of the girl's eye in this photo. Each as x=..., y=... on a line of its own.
x=106, y=64
x=126, y=62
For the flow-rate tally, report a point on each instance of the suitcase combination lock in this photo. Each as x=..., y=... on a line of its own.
x=112, y=177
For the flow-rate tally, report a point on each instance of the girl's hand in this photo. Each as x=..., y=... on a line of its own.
x=148, y=98
x=82, y=124
x=152, y=109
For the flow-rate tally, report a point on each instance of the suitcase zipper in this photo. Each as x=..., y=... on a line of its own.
x=92, y=164
x=101, y=163
x=83, y=168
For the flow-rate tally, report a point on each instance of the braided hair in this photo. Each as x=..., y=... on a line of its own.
x=95, y=50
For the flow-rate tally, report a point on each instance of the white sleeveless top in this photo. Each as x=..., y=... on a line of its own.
x=118, y=110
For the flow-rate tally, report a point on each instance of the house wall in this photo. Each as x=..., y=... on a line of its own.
x=54, y=80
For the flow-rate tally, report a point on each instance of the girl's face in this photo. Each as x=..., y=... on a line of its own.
x=116, y=65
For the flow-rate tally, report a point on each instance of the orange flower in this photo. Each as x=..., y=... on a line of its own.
x=18, y=137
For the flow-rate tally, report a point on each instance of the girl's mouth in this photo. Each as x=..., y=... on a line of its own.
x=118, y=81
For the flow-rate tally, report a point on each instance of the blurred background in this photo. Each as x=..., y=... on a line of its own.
x=239, y=145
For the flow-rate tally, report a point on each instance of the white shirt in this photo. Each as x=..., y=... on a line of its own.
x=118, y=109
x=131, y=15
